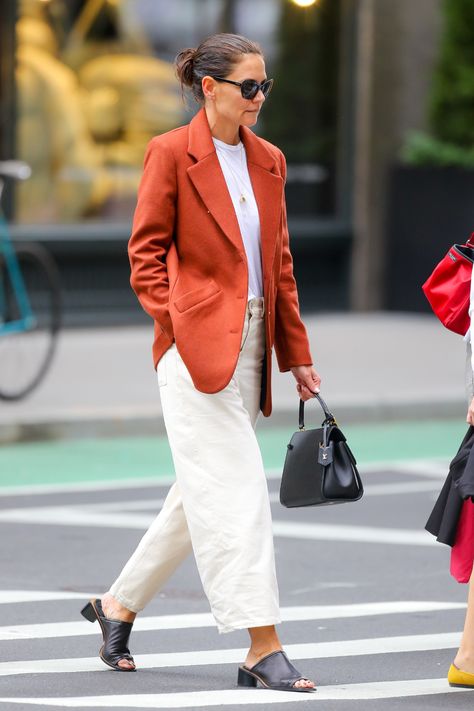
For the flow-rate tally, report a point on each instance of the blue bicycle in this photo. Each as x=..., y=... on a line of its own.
x=30, y=305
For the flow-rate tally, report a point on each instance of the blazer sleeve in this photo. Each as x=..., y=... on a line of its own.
x=291, y=339
x=152, y=233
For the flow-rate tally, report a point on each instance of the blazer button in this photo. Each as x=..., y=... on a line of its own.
x=240, y=296
x=233, y=330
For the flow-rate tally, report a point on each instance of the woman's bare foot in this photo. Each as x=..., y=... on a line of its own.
x=264, y=641
x=304, y=683
x=113, y=610
x=253, y=658
x=464, y=662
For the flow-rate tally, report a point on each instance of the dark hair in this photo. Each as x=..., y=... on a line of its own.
x=215, y=56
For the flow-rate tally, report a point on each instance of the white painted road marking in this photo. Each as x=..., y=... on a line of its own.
x=13, y=596
x=405, y=487
x=360, y=534
x=317, y=650
x=187, y=621
x=104, y=485
x=387, y=489
x=84, y=516
x=432, y=468
x=228, y=697
x=75, y=516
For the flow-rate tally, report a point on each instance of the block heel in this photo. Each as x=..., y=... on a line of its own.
x=246, y=679
x=275, y=671
x=89, y=613
x=115, y=636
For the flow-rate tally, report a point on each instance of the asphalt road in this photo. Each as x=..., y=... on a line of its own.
x=370, y=612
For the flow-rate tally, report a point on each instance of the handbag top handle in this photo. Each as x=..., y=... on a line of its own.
x=328, y=417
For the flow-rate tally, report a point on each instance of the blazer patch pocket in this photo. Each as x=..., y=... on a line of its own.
x=196, y=296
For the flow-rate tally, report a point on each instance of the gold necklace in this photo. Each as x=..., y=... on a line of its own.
x=242, y=197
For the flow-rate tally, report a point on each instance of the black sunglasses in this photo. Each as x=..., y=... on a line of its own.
x=249, y=88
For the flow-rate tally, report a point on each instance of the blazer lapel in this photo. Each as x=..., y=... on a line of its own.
x=209, y=181
x=268, y=190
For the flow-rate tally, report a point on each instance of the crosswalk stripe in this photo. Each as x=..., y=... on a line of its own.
x=397, y=488
x=75, y=516
x=317, y=650
x=389, y=489
x=385, y=489
x=82, y=516
x=71, y=488
x=432, y=468
x=228, y=697
x=45, y=630
x=8, y=597
x=361, y=534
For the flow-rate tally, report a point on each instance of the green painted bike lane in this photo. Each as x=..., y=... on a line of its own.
x=79, y=461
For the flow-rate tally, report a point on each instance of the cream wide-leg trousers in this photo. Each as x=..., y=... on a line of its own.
x=219, y=505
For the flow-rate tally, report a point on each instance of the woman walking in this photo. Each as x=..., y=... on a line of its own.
x=452, y=520
x=461, y=672
x=211, y=264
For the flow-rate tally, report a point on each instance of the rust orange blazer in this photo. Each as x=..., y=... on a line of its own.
x=188, y=262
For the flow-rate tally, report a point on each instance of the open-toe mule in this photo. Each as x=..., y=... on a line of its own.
x=275, y=671
x=115, y=633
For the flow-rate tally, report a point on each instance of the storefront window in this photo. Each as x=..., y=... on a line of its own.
x=95, y=82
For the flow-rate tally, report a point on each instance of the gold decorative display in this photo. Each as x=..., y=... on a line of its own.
x=86, y=112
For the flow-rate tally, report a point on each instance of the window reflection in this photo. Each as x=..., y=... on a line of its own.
x=95, y=81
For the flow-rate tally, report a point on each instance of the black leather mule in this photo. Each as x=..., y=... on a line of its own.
x=115, y=633
x=275, y=671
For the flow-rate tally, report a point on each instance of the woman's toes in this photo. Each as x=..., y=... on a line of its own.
x=304, y=683
x=126, y=664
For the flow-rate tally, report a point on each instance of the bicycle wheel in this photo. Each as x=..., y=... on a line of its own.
x=25, y=356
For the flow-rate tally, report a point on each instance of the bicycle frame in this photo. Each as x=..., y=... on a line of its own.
x=30, y=305
x=27, y=319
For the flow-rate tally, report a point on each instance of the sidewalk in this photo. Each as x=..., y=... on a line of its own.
x=374, y=367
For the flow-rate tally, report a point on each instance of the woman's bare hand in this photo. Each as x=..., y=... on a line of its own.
x=470, y=413
x=307, y=381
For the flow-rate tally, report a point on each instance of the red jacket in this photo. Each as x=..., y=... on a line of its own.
x=189, y=268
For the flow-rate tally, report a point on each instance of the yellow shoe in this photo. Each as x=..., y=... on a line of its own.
x=456, y=677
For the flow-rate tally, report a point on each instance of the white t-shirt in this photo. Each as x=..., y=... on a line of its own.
x=233, y=162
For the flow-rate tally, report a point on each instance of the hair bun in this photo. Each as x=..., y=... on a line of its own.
x=184, y=64
x=216, y=56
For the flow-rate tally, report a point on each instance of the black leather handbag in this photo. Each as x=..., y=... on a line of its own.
x=319, y=468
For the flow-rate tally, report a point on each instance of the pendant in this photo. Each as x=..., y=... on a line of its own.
x=242, y=198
